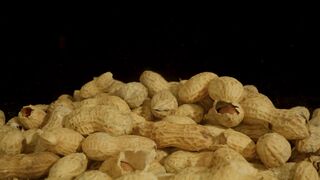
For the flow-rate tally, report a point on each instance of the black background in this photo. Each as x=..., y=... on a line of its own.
x=44, y=56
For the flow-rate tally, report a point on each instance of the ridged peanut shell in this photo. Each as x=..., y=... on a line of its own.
x=191, y=137
x=97, y=85
x=226, y=89
x=193, y=111
x=100, y=145
x=305, y=171
x=254, y=131
x=163, y=104
x=93, y=175
x=31, y=138
x=2, y=118
x=138, y=175
x=69, y=166
x=134, y=93
x=239, y=142
x=273, y=150
x=145, y=110
x=11, y=141
x=154, y=82
x=310, y=144
x=32, y=116
x=62, y=141
x=226, y=114
x=104, y=118
x=179, y=119
x=315, y=118
x=179, y=160
x=34, y=165
x=196, y=88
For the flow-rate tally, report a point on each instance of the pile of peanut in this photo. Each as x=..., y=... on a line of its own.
x=205, y=127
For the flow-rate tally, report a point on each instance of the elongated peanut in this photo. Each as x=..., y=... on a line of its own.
x=134, y=93
x=291, y=123
x=196, y=88
x=180, y=160
x=193, y=111
x=154, y=82
x=106, y=99
x=104, y=118
x=62, y=141
x=11, y=140
x=32, y=116
x=34, y=165
x=2, y=118
x=100, y=145
x=97, y=85
x=305, y=171
x=191, y=137
x=163, y=104
x=215, y=130
x=93, y=175
x=226, y=89
x=69, y=166
x=273, y=149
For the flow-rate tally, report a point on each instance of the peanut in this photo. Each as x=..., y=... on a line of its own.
x=32, y=116
x=97, y=85
x=2, y=118
x=273, y=149
x=99, y=146
x=137, y=175
x=154, y=82
x=193, y=111
x=69, y=166
x=25, y=166
x=163, y=104
x=305, y=171
x=11, y=140
x=134, y=93
x=196, y=88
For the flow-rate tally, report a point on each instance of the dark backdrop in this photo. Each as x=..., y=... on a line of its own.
x=48, y=55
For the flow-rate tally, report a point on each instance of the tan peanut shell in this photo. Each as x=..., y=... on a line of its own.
x=69, y=166
x=11, y=141
x=100, y=145
x=179, y=119
x=138, y=175
x=273, y=150
x=163, y=104
x=56, y=112
x=15, y=123
x=174, y=87
x=291, y=123
x=34, y=165
x=145, y=110
x=31, y=137
x=154, y=82
x=229, y=164
x=310, y=144
x=196, y=88
x=249, y=91
x=305, y=171
x=193, y=173
x=2, y=118
x=106, y=99
x=134, y=93
x=115, y=166
x=284, y=172
x=215, y=130
x=97, y=85
x=191, y=137
x=206, y=103
x=104, y=118
x=315, y=119
x=254, y=131
x=225, y=88
x=239, y=142
x=226, y=114
x=62, y=141
x=32, y=116
x=193, y=111
x=93, y=175
x=179, y=160
x=157, y=169
x=115, y=86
